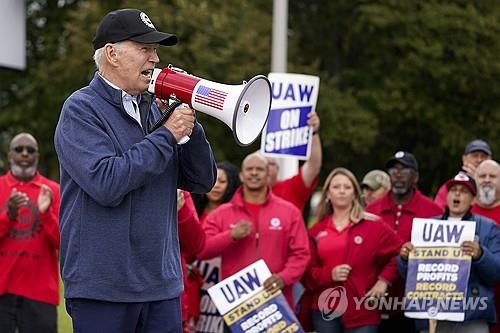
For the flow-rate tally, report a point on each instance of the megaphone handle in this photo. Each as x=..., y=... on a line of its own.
x=164, y=116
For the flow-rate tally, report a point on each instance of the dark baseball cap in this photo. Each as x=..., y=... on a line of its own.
x=403, y=157
x=129, y=24
x=478, y=145
x=464, y=179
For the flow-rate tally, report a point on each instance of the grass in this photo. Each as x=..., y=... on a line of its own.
x=63, y=319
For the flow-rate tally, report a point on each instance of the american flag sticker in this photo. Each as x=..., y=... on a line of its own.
x=210, y=97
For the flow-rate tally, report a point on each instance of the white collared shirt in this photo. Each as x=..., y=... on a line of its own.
x=130, y=103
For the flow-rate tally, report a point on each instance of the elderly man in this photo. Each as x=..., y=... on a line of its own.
x=29, y=241
x=484, y=251
x=475, y=152
x=399, y=207
x=488, y=204
x=256, y=224
x=119, y=240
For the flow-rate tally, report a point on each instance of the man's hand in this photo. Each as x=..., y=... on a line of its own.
x=44, y=198
x=241, y=230
x=180, y=199
x=470, y=169
x=313, y=121
x=181, y=122
x=378, y=290
x=341, y=272
x=405, y=250
x=472, y=249
x=16, y=201
x=273, y=283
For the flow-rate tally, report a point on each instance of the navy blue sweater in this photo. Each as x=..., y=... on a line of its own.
x=118, y=215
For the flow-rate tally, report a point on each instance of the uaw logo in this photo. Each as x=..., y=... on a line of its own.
x=332, y=303
x=275, y=224
x=147, y=21
x=27, y=223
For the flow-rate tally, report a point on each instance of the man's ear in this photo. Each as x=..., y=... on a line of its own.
x=416, y=178
x=110, y=54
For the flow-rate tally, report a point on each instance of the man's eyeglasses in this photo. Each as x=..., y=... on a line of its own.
x=402, y=171
x=29, y=149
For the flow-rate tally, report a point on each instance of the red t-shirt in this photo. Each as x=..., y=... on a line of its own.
x=295, y=190
x=331, y=246
x=492, y=213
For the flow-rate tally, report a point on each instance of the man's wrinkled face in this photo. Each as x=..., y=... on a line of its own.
x=23, y=157
x=403, y=178
x=488, y=182
x=475, y=157
x=134, y=63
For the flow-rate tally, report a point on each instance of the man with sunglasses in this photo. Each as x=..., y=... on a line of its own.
x=29, y=241
x=398, y=208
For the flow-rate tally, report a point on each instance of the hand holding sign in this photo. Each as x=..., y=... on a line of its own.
x=273, y=283
x=405, y=250
x=313, y=121
x=472, y=249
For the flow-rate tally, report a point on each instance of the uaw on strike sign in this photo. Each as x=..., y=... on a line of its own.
x=286, y=133
x=438, y=271
x=247, y=308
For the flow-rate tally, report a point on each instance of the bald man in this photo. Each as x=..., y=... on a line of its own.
x=256, y=224
x=29, y=241
x=488, y=204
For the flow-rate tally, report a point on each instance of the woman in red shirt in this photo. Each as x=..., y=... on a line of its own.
x=354, y=259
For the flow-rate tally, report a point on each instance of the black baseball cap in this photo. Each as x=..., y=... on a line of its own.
x=129, y=24
x=403, y=157
x=477, y=145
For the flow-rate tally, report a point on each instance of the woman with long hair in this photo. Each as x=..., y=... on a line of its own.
x=354, y=258
x=226, y=184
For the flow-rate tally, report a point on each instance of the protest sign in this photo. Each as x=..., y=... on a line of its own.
x=247, y=308
x=286, y=133
x=210, y=320
x=438, y=271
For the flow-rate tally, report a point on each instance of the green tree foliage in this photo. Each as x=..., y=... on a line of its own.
x=417, y=75
x=421, y=76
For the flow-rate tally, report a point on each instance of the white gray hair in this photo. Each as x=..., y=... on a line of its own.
x=99, y=54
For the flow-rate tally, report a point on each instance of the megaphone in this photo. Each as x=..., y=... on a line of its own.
x=244, y=108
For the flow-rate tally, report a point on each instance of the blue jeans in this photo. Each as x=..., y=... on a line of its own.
x=336, y=326
x=92, y=316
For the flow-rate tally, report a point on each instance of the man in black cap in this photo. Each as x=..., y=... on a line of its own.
x=398, y=208
x=475, y=152
x=119, y=246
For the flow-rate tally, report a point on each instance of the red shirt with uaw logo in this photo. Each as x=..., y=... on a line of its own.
x=278, y=236
x=370, y=247
x=29, y=244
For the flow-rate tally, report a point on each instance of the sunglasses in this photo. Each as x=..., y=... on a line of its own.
x=29, y=149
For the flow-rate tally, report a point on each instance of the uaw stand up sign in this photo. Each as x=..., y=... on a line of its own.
x=438, y=271
x=286, y=133
x=247, y=308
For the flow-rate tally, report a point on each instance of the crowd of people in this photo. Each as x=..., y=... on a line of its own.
x=136, y=213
